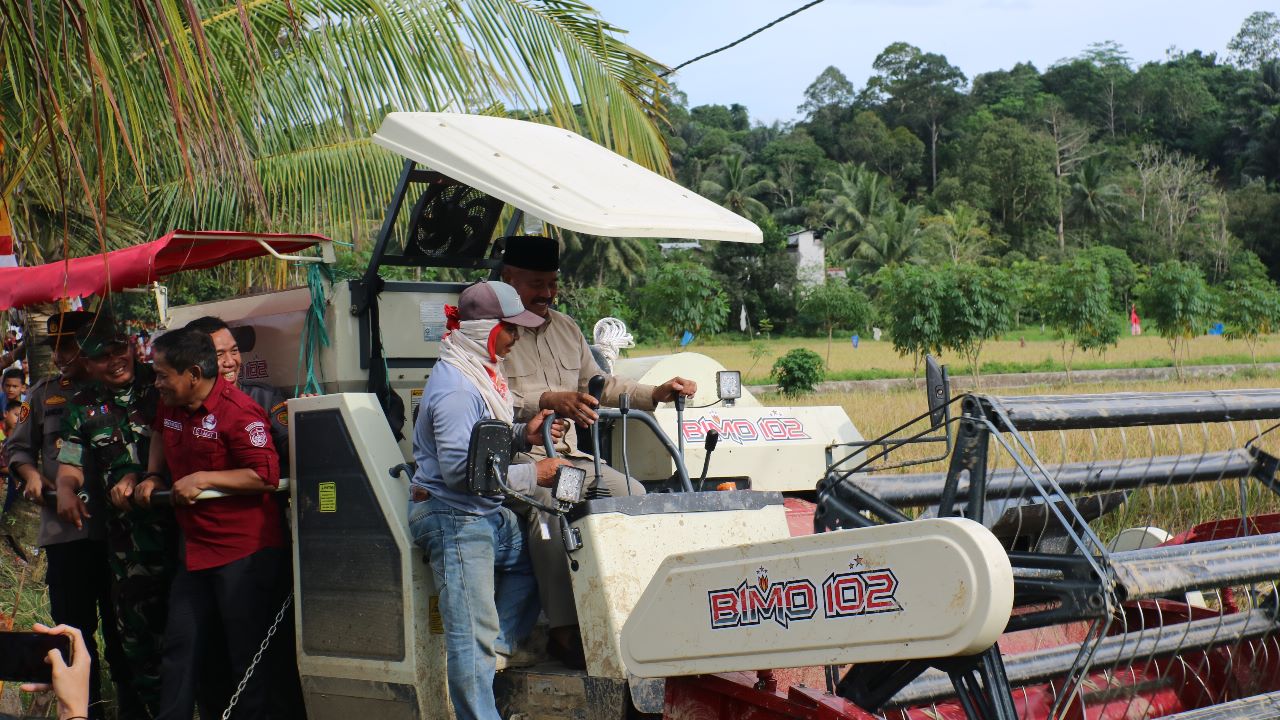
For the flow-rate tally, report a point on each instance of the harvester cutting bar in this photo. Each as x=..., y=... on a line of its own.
x=921, y=489
x=1075, y=412
x=1116, y=650
x=1160, y=571
x=1256, y=707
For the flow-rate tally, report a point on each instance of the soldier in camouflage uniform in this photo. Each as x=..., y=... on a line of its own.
x=106, y=444
x=79, y=576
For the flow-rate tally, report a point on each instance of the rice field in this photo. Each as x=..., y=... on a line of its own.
x=877, y=359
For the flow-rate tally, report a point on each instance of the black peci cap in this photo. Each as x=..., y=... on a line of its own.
x=532, y=252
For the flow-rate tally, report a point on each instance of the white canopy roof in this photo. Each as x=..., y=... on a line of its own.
x=560, y=177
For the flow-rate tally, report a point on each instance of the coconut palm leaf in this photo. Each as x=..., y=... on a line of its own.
x=257, y=114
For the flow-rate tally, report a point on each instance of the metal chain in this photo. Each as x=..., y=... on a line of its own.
x=235, y=697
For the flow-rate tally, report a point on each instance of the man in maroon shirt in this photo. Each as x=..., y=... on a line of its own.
x=212, y=436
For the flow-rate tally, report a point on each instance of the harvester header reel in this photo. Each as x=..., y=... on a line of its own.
x=1132, y=526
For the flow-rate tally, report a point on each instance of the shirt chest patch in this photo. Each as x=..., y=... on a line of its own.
x=203, y=433
x=54, y=400
x=171, y=424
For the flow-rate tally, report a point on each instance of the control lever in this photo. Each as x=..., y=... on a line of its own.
x=708, y=446
x=680, y=422
x=405, y=469
x=595, y=388
x=548, y=443
x=624, y=407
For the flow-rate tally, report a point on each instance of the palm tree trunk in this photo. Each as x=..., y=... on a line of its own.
x=933, y=156
x=39, y=362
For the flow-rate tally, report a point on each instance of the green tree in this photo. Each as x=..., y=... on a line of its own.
x=1121, y=271
x=587, y=304
x=1009, y=173
x=910, y=302
x=798, y=372
x=852, y=197
x=978, y=308
x=895, y=236
x=1075, y=301
x=1177, y=302
x=1094, y=200
x=1017, y=93
x=1249, y=310
x=759, y=280
x=830, y=88
x=594, y=260
x=680, y=296
x=962, y=236
x=738, y=188
x=835, y=304
x=1093, y=84
x=920, y=90
x=1257, y=42
x=893, y=153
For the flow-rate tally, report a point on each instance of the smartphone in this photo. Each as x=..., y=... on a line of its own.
x=22, y=655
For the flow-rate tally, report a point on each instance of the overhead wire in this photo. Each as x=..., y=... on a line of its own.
x=742, y=39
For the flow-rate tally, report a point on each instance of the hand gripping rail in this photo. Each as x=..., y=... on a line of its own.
x=165, y=497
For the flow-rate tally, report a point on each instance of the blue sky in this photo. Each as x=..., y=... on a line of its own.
x=769, y=73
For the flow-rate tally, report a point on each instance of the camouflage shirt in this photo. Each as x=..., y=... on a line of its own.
x=112, y=425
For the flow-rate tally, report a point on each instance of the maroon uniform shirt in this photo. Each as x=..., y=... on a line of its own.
x=229, y=431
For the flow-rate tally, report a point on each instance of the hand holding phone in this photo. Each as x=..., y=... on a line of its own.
x=41, y=656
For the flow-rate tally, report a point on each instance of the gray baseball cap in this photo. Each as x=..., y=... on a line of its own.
x=493, y=300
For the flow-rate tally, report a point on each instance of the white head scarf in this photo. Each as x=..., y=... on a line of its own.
x=468, y=347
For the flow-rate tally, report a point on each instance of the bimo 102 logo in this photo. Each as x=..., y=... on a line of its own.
x=744, y=430
x=864, y=592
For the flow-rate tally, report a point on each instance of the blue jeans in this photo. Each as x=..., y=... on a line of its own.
x=488, y=595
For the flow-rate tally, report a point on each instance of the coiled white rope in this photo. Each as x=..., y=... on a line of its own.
x=611, y=336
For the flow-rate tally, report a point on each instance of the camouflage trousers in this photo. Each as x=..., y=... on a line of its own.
x=143, y=557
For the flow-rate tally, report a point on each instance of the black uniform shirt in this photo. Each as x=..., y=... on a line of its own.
x=36, y=441
x=273, y=402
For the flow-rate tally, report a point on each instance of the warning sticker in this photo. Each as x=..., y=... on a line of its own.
x=415, y=399
x=434, y=621
x=328, y=497
x=431, y=313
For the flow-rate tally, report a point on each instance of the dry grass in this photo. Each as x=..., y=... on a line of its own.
x=878, y=359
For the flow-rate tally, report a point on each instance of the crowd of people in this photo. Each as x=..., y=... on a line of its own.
x=184, y=595
x=183, y=592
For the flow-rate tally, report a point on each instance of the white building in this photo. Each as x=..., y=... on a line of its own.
x=805, y=248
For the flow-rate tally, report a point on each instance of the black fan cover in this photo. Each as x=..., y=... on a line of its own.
x=452, y=220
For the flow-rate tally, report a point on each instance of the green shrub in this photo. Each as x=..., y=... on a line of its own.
x=798, y=371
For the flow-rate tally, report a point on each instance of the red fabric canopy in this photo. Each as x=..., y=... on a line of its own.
x=138, y=265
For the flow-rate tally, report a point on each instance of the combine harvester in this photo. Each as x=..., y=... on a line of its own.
x=1074, y=557
x=1141, y=531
